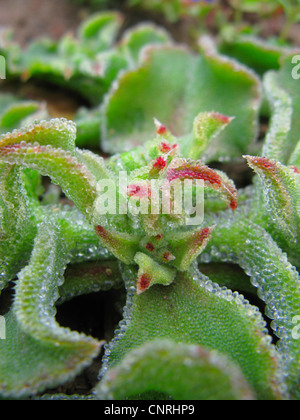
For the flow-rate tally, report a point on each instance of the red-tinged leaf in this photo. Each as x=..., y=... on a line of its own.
x=207, y=127
x=138, y=191
x=187, y=246
x=75, y=179
x=151, y=273
x=58, y=133
x=295, y=169
x=123, y=246
x=281, y=198
x=158, y=166
x=167, y=148
x=184, y=169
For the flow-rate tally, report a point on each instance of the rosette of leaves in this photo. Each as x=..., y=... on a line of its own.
x=176, y=319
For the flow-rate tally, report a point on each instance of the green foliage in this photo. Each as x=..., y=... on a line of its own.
x=175, y=9
x=187, y=311
x=165, y=112
x=38, y=353
x=162, y=87
x=186, y=372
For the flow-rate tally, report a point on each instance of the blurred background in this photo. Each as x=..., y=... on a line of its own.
x=33, y=18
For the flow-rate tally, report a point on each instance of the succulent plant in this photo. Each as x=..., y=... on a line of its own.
x=186, y=333
x=174, y=10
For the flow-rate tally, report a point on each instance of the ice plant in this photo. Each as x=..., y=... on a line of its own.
x=174, y=10
x=185, y=333
x=161, y=247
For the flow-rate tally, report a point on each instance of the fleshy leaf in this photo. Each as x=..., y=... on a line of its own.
x=86, y=65
x=281, y=190
x=277, y=281
x=13, y=112
x=90, y=277
x=75, y=179
x=134, y=40
x=99, y=31
x=288, y=79
x=58, y=133
x=123, y=246
x=295, y=158
x=83, y=242
x=184, y=372
x=253, y=52
x=151, y=273
x=187, y=169
x=38, y=353
x=207, y=126
x=275, y=146
x=187, y=246
x=88, y=124
x=163, y=88
x=17, y=225
x=189, y=312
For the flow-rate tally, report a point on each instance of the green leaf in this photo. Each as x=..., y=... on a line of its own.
x=90, y=277
x=88, y=124
x=185, y=372
x=38, y=353
x=151, y=273
x=254, y=52
x=228, y=275
x=17, y=224
x=181, y=169
x=83, y=242
x=189, y=312
x=187, y=246
x=207, y=126
x=99, y=31
x=13, y=112
x=58, y=133
x=288, y=79
x=122, y=245
x=295, y=158
x=281, y=192
x=174, y=86
x=276, y=142
x=137, y=38
x=75, y=179
x=277, y=281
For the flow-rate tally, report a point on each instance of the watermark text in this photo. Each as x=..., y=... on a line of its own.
x=179, y=197
x=2, y=67
x=2, y=328
x=296, y=68
x=296, y=329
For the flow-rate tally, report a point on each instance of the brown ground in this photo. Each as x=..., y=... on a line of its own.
x=33, y=18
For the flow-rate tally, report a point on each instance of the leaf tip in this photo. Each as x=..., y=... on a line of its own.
x=143, y=283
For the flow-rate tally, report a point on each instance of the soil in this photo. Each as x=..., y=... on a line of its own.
x=34, y=18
